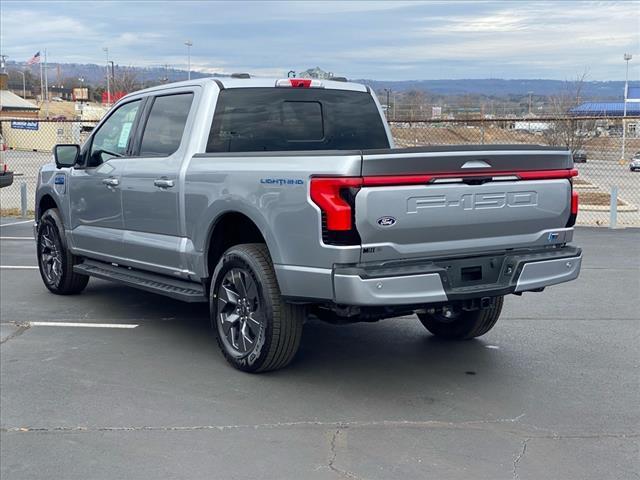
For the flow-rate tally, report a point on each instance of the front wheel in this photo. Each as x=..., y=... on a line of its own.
x=55, y=261
x=462, y=324
x=256, y=330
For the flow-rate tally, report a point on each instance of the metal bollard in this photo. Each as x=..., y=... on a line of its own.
x=613, y=207
x=23, y=198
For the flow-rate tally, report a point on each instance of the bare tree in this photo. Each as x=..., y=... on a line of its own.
x=568, y=131
x=416, y=101
x=126, y=80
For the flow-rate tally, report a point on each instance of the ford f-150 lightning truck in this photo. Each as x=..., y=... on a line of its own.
x=278, y=199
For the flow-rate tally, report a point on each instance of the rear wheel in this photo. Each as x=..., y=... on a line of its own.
x=461, y=324
x=256, y=330
x=55, y=261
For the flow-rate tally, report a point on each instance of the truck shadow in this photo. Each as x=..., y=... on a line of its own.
x=379, y=351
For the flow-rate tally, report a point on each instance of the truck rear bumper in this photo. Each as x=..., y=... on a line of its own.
x=419, y=283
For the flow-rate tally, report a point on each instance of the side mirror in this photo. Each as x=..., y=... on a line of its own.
x=66, y=155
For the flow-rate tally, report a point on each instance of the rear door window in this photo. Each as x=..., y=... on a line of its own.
x=165, y=125
x=281, y=119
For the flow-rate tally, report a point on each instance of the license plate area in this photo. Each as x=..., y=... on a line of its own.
x=469, y=272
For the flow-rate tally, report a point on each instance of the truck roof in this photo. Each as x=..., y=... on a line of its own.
x=229, y=82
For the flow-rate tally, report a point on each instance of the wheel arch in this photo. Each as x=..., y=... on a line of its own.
x=45, y=203
x=228, y=229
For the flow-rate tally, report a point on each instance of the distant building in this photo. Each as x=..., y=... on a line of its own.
x=531, y=126
x=61, y=92
x=13, y=106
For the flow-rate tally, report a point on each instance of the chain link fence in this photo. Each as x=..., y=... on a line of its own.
x=598, y=140
x=28, y=144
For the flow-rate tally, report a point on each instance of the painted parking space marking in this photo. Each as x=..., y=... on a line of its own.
x=83, y=325
x=18, y=267
x=15, y=223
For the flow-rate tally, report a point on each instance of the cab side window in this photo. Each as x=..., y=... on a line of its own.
x=165, y=126
x=112, y=138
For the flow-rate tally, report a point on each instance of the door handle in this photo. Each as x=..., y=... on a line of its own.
x=163, y=183
x=111, y=182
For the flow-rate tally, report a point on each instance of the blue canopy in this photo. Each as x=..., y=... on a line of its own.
x=605, y=109
x=633, y=93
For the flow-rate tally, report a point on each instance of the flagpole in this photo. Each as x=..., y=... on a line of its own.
x=46, y=81
x=41, y=83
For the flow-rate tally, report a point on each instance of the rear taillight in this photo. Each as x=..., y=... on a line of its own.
x=336, y=198
x=574, y=209
x=329, y=195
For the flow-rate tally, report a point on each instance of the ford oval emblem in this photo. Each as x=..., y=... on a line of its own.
x=386, y=221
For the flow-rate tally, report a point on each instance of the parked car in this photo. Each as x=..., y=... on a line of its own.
x=6, y=176
x=275, y=199
x=635, y=162
x=580, y=156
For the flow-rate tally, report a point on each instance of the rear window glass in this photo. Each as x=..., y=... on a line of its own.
x=280, y=119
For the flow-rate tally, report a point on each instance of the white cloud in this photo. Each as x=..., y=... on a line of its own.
x=364, y=39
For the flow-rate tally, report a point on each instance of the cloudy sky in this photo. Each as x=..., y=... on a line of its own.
x=392, y=40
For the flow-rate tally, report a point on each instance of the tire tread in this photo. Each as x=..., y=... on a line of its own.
x=287, y=319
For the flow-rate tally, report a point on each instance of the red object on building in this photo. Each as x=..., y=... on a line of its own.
x=115, y=96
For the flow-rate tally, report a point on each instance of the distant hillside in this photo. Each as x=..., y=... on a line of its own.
x=498, y=88
x=495, y=87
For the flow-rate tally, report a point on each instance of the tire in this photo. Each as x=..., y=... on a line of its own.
x=256, y=330
x=464, y=325
x=55, y=261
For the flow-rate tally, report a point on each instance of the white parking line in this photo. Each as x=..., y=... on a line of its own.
x=83, y=325
x=17, y=238
x=15, y=223
x=18, y=267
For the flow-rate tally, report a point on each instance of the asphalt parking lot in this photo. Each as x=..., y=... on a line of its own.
x=551, y=392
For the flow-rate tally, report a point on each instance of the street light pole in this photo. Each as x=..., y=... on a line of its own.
x=189, y=44
x=106, y=50
x=24, y=88
x=627, y=57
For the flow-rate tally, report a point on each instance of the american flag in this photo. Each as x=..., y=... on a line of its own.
x=34, y=59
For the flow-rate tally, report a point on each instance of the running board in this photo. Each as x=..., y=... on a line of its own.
x=151, y=282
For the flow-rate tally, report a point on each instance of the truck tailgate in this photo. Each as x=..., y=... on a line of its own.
x=462, y=200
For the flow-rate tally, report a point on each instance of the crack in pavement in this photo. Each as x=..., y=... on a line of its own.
x=339, y=426
x=334, y=453
x=519, y=457
x=21, y=328
x=374, y=423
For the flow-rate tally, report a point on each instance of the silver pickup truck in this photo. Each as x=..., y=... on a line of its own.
x=273, y=200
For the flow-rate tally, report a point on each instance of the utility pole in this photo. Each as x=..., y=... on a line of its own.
x=113, y=76
x=627, y=57
x=388, y=90
x=106, y=50
x=530, y=93
x=189, y=44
